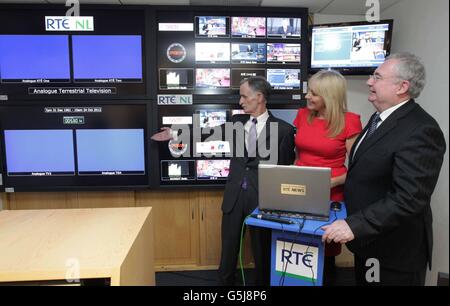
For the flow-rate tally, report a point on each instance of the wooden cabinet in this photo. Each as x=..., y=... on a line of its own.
x=176, y=227
x=187, y=223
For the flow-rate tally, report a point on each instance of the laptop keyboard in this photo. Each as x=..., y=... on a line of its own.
x=277, y=213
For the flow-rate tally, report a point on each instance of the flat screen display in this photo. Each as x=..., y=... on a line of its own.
x=284, y=79
x=212, y=52
x=213, y=169
x=211, y=118
x=283, y=27
x=283, y=53
x=177, y=170
x=288, y=115
x=237, y=75
x=248, y=53
x=110, y=151
x=34, y=59
x=352, y=46
x=248, y=27
x=212, y=78
x=39, y=152
x=107, y=58
x=176, y=78
x=212, y=26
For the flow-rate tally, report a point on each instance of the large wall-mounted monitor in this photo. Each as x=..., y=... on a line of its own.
x=224, y=46
x=108, y=62
x=85, y=147
x=351, y=48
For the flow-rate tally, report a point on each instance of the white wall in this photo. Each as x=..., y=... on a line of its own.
x=420, y=27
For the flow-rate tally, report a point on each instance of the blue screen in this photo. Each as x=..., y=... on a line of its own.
x=34, y=57
x=110, y=150
x=39, y=151
x=107, y=56
x=287, y=115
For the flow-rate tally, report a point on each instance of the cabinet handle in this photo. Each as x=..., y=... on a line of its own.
x=202, y=213
x=192, y=214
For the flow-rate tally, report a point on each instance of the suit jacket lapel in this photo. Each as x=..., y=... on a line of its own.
x=380, y=132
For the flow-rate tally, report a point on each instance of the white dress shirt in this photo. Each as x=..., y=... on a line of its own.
x=383, y=116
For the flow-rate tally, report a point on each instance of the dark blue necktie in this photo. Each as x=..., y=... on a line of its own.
x=251, y=147
x=373, y=124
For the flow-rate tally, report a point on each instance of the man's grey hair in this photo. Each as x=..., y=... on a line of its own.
x=258, y=84
x=410, y=68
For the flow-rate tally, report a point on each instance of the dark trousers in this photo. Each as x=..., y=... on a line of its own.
x=231, y=235
x=388, y=277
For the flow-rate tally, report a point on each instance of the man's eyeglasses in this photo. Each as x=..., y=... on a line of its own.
x=378, y=77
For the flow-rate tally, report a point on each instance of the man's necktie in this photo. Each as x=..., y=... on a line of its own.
x=252, y=138
x=251, y=148
x=373, y=125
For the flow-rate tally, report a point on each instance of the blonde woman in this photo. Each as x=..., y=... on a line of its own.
x=326, y=132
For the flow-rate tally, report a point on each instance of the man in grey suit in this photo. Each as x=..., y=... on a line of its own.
x=394, y=168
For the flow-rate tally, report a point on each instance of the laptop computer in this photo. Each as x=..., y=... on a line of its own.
x=294, y=191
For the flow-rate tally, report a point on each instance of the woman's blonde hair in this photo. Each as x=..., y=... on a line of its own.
x=332, y=87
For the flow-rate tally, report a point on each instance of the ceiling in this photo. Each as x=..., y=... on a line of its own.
x=338, y=7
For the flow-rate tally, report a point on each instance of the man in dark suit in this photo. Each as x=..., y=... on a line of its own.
x=241, y=191
x=394, y=168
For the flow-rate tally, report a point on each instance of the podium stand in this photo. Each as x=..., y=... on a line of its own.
x=297, y=251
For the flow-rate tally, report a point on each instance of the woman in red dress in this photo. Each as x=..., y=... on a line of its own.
x=326, y=132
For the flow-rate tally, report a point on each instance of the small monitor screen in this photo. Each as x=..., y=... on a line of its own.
x=349, y=46
x=212, y=118
x=248, y=53
x=176, y=78
x=39, y=152
x=283, y=53
x=212, y=78
x=287, y=115
x=107, y=58
x=34, y=59
x=248, y=27
x=284, y=79
x=212, y=26
x=177, y=170
x=283, y=27
x=213, y=169
x=237, y=75
x=212, y=53
x=110, y=152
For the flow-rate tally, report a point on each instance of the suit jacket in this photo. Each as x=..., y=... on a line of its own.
x=245, y=166
x=389, y=184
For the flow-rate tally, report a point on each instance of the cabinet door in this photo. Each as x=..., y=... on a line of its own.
x=210, y=230
x=175, y=217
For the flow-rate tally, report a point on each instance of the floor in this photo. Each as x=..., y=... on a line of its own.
x=343, y=277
